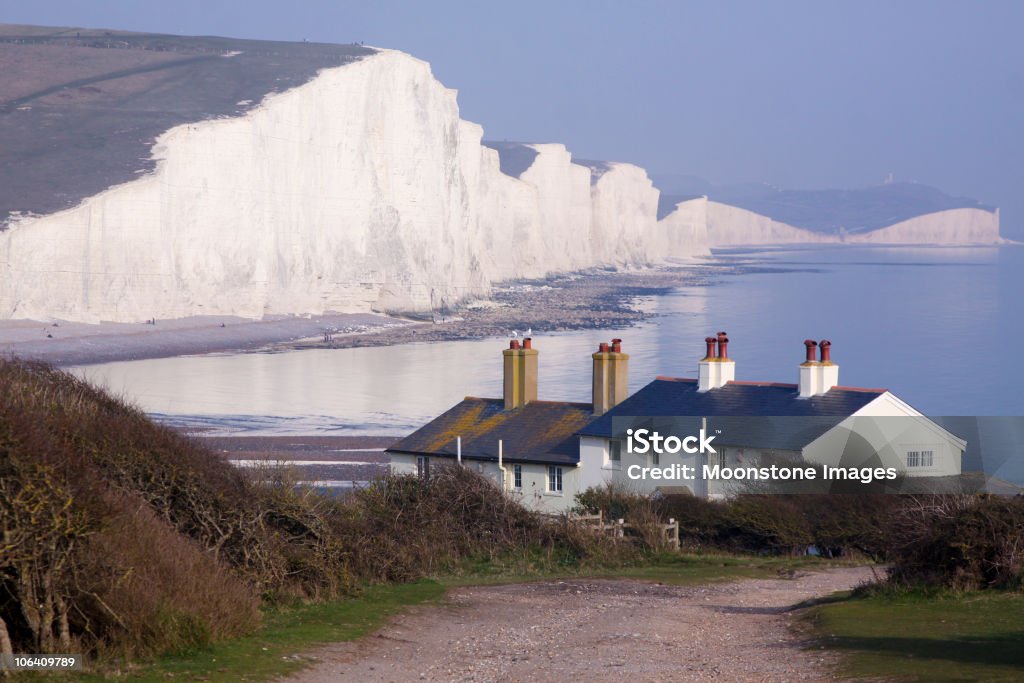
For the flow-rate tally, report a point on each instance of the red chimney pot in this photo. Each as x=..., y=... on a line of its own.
x=723, y=345
x=528, y=343
x=826, y=351
x=616, y=346
x=710, y=341
x=602, y=347
x=514, y=344
x=810, y=344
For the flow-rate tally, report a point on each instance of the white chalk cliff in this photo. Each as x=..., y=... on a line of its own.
x=953, y=226
x=361, y=190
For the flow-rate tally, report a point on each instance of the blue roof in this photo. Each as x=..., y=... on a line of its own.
x=735, y=408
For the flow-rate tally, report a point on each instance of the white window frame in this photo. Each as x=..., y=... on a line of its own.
x=517, y=477
x=423, y=467
x=555, y=480
x=614, y=448
x=922, y=458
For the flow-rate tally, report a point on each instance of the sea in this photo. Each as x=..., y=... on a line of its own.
x=940, y=327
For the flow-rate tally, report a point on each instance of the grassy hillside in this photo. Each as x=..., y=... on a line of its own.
x=80, y=108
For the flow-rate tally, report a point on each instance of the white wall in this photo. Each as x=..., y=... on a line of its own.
x=533, y=495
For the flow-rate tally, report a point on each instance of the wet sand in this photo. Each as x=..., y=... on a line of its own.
x=71, y=343
x=323, y=460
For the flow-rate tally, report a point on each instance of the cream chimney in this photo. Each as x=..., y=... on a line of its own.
x=611, y=376
x=520, y=373
x=716, y=369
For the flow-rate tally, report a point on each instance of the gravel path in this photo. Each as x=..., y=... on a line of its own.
x=595, y=630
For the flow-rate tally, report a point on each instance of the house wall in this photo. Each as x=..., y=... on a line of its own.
x=884, y=442
x=914, y=432
x=533, y=495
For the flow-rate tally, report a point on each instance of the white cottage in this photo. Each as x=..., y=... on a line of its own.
x=550, y=451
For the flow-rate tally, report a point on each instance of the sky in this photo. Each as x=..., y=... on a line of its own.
x=799, y=94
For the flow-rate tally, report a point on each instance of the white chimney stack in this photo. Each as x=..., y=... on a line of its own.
x=716, y=369
x=817, y=376
x=827, y=370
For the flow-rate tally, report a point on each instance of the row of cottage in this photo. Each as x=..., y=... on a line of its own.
x=549, y=451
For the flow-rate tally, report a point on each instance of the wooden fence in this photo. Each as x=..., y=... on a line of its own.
x=617, y=528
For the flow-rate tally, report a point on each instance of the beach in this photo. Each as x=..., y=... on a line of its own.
x=595, y=299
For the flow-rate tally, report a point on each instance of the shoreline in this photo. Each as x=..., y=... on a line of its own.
x=607, y=299
x=65, y=343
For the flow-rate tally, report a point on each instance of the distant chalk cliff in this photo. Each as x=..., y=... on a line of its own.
x=362, y=189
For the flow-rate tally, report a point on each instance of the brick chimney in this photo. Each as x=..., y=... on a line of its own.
x=716, y=368
x=819, y=375
x=520, y=373
x=611, y=376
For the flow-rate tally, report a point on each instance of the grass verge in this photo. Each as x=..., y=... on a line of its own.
x=277, y=647
x=914, y=637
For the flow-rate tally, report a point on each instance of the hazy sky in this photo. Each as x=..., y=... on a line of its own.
x=800, y=94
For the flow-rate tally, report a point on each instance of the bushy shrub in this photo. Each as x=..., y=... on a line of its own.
x=122, y=536
x=837, y=525
x=149, y=589
x=612, y=501
x=107, y=523
x=959, y=542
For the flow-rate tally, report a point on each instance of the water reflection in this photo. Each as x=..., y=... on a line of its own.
x=937, y=334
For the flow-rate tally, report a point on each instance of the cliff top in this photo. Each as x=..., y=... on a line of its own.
x=80, y=108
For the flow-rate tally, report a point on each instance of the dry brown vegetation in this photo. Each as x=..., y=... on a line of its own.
x=838, y=525
x=122, y=537
x=959, y=542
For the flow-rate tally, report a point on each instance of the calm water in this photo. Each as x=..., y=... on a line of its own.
x=940, y=327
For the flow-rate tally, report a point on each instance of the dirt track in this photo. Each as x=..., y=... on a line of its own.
x=595, y=630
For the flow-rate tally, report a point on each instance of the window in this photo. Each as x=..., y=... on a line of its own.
x=655, y=458
x=614, y=451
x=719, y=458
x=920, y=458
x=423, y=467
x=517, y=477
x=554, y=479
x=614, y=459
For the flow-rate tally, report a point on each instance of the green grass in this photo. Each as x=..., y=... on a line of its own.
x=278, y=647
x=971, y=637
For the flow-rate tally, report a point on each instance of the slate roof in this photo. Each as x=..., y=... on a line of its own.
x=539, y=432
x=748, y=414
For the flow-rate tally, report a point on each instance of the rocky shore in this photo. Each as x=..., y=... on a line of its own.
x=601, y=299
